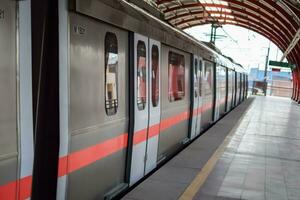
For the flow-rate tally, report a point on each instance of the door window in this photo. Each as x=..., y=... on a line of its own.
x=196, y=78
x=155, y=75
x=208, y=74
x=141, y=75
x=176, y=77
x=111, y=73
x=199, y=75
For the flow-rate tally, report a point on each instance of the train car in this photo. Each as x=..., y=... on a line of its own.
x=16, y=119
x=115, y=92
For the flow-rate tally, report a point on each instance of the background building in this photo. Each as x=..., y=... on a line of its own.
x=279, y=82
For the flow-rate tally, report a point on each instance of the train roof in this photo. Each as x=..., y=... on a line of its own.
x=133, y=18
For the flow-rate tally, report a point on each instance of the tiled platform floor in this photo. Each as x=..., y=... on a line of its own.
x=261, y=161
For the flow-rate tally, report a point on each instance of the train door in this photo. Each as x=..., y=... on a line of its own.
x=217, y=93
x=240, y=87
x=197, y=99
x=235, y=88
x=228, y=89
x=146, y=106
x=154, y=105
x=222, y=90
x=208, y=93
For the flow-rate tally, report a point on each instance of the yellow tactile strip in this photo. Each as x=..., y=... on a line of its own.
x=200, y=179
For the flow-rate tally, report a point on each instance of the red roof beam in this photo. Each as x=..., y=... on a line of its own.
x=230, y=7
x=243, y=19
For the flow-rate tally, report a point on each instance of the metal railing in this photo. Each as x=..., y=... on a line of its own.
x=111, y=106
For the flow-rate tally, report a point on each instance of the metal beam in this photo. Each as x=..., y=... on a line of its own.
x=149, y=7
x=296, y=3
x=289, y=11
x=292, y=45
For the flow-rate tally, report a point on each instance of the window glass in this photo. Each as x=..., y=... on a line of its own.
x=111, y=73
x=200, y=78
x=176, y=76
x=155, y=75
x=141, y=76
x=223, y=77
x=208, y=78
x=230, y=85
x=196, y=67
x=196, y=90
x=200, y=65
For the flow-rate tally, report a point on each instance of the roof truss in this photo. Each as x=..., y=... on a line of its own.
x=278, y=20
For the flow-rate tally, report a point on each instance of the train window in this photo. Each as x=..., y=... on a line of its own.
x=200, y=65
x=196, y=68
x=141, y=75
x=155, y=75
x=200, y=78
x=176, y=77
x=111, y=73
x=196, y=78
x=208, y=77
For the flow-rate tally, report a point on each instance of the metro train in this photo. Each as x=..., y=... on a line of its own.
x=97, y=94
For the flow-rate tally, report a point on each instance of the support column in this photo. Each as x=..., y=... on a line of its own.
x=298, y=85
x=294, y=84
x=296, y=71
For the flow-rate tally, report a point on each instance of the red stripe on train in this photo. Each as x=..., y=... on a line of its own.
x=85, y=157
x=140, y=136
x=9, y=190
x=89, y=155
x=25, y=187
x=167, y=123
x=154, y=130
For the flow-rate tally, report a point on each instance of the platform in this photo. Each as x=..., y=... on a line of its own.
x=252, y=153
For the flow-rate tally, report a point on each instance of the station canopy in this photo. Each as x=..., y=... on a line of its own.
x=277, y=20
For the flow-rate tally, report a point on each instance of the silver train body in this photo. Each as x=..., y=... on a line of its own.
x=128, y=92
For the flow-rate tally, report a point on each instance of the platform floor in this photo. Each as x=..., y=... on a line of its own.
x=252, y=153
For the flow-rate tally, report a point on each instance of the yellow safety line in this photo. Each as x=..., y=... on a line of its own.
x=194, y=187
x=199, y=180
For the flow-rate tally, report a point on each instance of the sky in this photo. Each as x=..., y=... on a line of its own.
x=245, y=46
